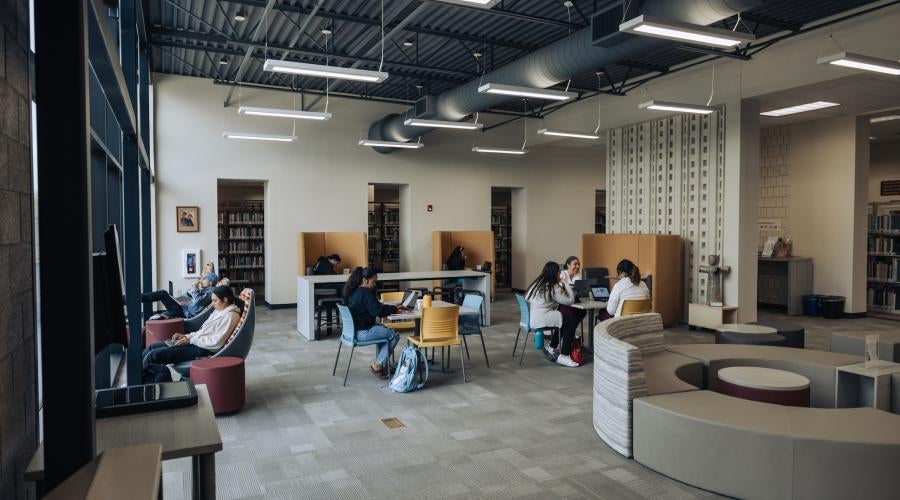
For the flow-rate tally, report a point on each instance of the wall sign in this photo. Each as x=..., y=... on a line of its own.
x=890, y=188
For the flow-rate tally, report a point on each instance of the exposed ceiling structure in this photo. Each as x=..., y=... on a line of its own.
x=430, y=46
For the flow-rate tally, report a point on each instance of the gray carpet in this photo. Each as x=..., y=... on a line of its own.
x=511, y=432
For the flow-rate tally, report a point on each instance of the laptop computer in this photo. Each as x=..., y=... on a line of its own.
x=582, y=288
x=409, y=299
x=600, y=293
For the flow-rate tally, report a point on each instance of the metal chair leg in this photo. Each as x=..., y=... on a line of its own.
x=334, y=370
x=484, y=348
x=467, y=347
x=348, y=365
x=518, y=332
x=524, y=346
x=462, y=363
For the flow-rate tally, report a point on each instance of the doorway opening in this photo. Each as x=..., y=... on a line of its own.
x=242, y=235
x=384, y=227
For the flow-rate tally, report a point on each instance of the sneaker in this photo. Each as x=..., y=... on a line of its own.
x=566, y=361
x=550, y=353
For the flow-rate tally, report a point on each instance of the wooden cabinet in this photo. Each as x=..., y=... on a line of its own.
x=706, y=316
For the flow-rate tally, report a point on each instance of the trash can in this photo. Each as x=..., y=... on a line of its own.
x=811, y=305
x=832, y=307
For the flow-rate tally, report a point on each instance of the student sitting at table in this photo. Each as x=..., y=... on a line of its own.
x=550, y=302
x=457, y=259
x=629, y=287
x=325, y=264
x=359, y=295
x=572, y=271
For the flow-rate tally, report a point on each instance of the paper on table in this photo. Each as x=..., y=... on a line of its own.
x=871, y=350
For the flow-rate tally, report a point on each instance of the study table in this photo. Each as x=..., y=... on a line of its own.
x=306, y=300
x=590, y=306
x=182, y=432
x=416, y=314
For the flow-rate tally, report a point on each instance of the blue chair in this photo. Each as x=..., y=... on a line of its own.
x=524, y=325
x=471, y=325
x=348, y=337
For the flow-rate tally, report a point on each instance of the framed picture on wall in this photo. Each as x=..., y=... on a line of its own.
x=187, y=219
x=190, y=263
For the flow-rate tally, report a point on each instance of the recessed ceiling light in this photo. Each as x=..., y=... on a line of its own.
x=887, y=118
x=391, y=144
x=223, y=61
x=321, y=70
x=325, y=31
x=872, y=138
x=802, y=108
x=502, y=151
x=419, y=122
x=241, y=16
x=568, y=133
x=859, y=61
x=408, y=43
x=284, y=113
x=259, y=137
x=476, y=55
x=684, y=32
x=537, y=93
x=568, y=4
x=676, y=106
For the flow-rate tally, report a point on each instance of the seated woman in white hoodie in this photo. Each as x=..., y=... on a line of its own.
x=629, y=287
x=550, y=303
x=210, y=338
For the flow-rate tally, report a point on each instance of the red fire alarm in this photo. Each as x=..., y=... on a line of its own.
x=429, y=208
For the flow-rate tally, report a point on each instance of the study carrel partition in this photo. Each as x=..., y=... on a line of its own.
x=658, y=255
x=479, y=247
x=353, y=247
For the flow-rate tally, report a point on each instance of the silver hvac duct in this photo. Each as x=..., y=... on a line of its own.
x=573, y=55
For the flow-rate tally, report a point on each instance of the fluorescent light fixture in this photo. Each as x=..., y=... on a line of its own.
x=872, y=138
x=284, y=113
x=676, y=106
x=502, y=151
x=259, y=137
x=391, y=144
x=513, y=90
x=884, y=118
x=323, y=71
x=684, y=32
x=464, y=2
x=567, y=133
x=801, y=108
x=419, y=122
x=858, y=61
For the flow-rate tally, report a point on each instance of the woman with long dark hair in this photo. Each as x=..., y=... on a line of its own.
x=550, y=303
x=571, y=271
x=457, y=259
x=629, y=287
x=359, y=295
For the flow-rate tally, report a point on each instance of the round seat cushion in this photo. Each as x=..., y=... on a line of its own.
x=752, y=338
x=765, y=385
x=794, y=334
x=224, y=379
x=159, y=330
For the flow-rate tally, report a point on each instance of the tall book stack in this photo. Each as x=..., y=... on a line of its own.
x=883, y=265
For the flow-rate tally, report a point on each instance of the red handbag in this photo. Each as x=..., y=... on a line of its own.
x=577, y=354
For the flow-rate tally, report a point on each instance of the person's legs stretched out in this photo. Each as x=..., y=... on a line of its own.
x=174, y=309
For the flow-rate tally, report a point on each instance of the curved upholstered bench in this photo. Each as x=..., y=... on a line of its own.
x=747, y=449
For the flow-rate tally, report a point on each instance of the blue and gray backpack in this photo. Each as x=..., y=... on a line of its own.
x=412, y=371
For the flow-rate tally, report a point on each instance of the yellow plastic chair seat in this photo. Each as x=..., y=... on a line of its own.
x=434, y=342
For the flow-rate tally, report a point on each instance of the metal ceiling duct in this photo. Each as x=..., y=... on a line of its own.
x=555, y=63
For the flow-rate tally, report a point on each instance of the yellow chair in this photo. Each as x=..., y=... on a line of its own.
x=396, y=325
x=440, y=328
x=630, y=307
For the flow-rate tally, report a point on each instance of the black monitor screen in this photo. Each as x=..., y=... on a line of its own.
x=109, y=294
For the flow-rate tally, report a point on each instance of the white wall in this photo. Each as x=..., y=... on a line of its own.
x=884, y=165
x=320, y=182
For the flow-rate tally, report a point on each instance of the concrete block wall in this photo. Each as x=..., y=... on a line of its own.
x=18, y=415
x=774, y=182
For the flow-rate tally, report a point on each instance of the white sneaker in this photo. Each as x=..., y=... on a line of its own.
x=566, y=361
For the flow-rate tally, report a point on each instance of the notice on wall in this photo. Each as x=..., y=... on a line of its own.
x=890, y=188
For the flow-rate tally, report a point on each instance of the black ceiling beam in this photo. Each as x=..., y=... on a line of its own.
x=335, y=16
x=643, y=65
x=770, y=21
x=715, y=52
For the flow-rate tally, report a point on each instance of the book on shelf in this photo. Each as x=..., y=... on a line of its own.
x=887, y=223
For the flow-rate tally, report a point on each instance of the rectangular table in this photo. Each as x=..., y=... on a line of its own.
x=306, y=300
x=590, y=306
x=856, y=385
x=417, y=314
x=182, y=432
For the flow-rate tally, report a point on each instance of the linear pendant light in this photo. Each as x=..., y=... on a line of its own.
x=567, y=133
x=503, y=151
x=537, y=93
x=859, y=61
x=259, y=137
x=801, y=108
x=676, y=106
x=420, y=122
x=323, y=71
x=284, y=113
x=684, y=32
x=391, y=144
x=884, y=118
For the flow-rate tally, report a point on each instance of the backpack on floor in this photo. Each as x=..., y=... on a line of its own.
x=412, y=371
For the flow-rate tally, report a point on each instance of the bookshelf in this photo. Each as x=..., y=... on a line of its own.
x=600, y=211
x=241, y=245
x=384, y=236
x=883, y=260
x=501, y=225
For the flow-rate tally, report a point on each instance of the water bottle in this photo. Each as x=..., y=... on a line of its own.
x=538, y=340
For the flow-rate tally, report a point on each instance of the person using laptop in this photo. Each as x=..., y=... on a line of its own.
x=194, y=303
x=550, y=302
x=359, y=295
x=629, y=287
x=571, y=271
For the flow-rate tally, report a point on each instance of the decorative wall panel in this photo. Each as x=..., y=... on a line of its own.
x=667, y=176
x=774, y=185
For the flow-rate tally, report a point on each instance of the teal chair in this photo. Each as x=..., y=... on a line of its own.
x=524, y=325
x=348, y=338
x=471, y=324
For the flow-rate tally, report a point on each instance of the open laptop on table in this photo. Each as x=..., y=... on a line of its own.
x=600, y=293
x=582, y=288
x=408, y=303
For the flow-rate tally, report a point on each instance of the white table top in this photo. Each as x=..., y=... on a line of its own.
x=589, y=304
x=463, y=311
x=878, y=368
x=409, y=276
x=745, y=328
x=757, y=377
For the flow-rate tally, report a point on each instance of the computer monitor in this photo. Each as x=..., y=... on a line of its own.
x=110, y=326
x=597, y=273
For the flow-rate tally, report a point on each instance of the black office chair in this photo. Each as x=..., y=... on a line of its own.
x=597, y=273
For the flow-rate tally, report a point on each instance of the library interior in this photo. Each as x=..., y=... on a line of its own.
x=670, y=229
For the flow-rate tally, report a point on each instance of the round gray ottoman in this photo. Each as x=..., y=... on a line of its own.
x=752, y=338
x=794, y=335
